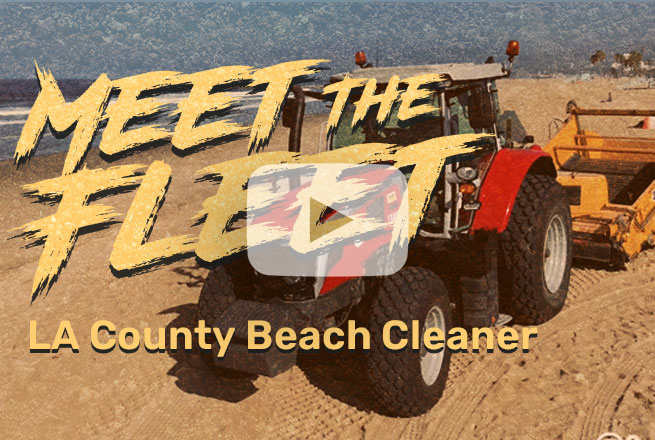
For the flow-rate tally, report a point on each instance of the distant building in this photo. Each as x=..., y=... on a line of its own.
x=625, y=68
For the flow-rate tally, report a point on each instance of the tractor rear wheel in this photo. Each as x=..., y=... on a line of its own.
x=535, y=266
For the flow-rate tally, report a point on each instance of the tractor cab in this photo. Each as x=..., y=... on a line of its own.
x=464, y=101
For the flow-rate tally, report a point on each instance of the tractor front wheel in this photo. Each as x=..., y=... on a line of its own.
x=406, y=382
x=216, y=296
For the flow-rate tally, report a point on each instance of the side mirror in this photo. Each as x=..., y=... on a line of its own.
x=528, y=139
x=481, y=110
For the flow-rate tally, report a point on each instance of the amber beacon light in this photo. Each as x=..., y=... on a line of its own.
x=360, y=58
x=513, y=49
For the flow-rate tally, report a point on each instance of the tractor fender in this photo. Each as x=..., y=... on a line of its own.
x=502, y=182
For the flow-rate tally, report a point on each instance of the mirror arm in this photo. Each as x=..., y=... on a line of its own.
x=295, y=134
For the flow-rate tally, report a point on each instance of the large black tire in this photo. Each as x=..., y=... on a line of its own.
x=216, y=295
x=395, y=377
x=540, y=206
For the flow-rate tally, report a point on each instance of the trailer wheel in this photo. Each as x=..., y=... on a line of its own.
x=537, y=251
x=407, y=382
x=215, y=297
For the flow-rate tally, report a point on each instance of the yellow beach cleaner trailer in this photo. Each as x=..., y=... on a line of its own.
x=606, y=162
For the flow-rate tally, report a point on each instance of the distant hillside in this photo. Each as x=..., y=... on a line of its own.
x=84, y=40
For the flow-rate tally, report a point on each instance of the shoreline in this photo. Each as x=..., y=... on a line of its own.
x=535, y=124
x=309, y=120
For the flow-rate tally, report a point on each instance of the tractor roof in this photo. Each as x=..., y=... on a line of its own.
x=456, y=72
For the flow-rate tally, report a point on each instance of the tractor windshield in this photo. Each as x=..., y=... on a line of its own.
x=392, y=132
x=460, y=118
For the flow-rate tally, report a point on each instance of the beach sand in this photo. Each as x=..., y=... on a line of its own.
x=590, y=369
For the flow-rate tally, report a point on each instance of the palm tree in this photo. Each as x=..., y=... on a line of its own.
x=601, y=55
x=598, y=58
x=634, y=61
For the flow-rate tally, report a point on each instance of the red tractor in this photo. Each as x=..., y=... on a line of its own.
x=494, y=241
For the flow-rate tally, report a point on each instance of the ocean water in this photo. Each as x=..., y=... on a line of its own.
x=12, y=119
x=16, y=102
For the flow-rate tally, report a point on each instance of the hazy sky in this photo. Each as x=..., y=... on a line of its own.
x=120, y=39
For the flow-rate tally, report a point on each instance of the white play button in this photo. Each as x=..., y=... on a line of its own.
x=327, y=220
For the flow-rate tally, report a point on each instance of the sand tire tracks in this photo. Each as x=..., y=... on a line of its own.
x=457, y=409
x=303, y=410
x=598, y=411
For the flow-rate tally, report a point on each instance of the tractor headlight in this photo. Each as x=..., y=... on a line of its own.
x=467, y=173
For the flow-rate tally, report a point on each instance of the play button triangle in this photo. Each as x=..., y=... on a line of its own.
x=323, y=219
